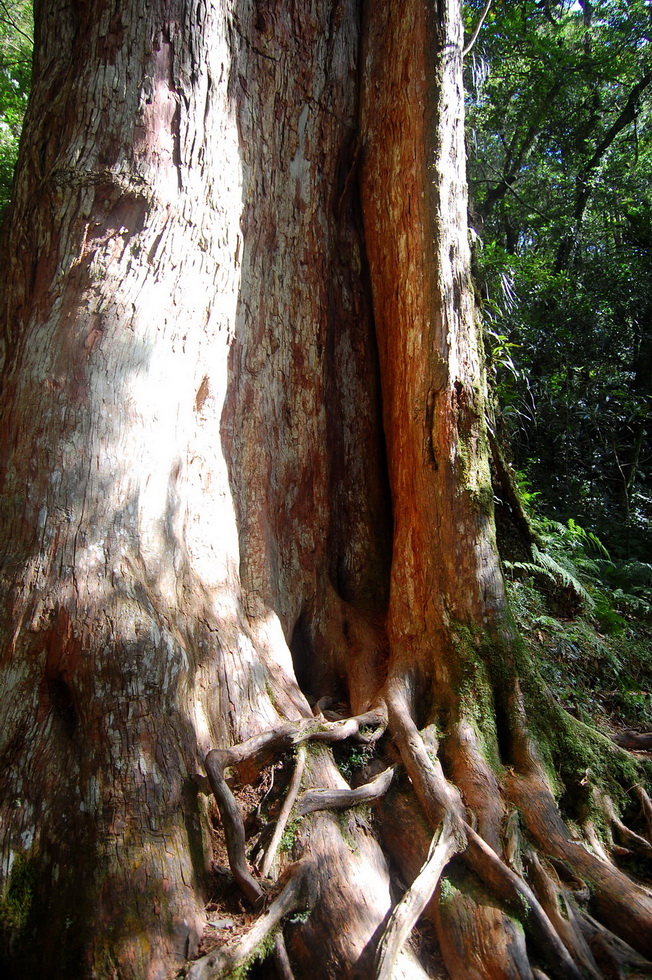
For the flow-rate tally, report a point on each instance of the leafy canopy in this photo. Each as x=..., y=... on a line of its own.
x=16, y=43
x=560, y=168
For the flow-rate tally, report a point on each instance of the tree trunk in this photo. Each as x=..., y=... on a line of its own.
x=244, y=469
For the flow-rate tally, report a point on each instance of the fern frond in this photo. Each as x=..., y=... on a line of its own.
x=562, y=574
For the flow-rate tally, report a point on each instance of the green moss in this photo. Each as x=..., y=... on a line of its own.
x=343, y=819
x=447, y=891
x=476, y=691
x=17, y=897
x=261, y=953
x=570, y=748
x=289, y=836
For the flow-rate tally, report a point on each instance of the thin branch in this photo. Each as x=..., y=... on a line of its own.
x=9, y=21
x=478, y=27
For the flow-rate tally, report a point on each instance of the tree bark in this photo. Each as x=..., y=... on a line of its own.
x=244, y=468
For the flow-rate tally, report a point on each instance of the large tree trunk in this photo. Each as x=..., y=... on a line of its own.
x=244, y=468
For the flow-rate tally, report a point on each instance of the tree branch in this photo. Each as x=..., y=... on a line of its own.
x=478, y=28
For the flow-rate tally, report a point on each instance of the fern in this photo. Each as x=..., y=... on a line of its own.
x=564, y=575
x=558, y=574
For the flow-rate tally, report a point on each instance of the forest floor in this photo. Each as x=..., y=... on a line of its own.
x=597, y=662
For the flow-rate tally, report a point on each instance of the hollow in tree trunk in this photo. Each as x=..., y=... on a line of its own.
x=245, y=476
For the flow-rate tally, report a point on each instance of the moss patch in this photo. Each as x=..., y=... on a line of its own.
x=17, y=898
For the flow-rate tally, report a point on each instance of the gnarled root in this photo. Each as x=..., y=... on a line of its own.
x=284, y=815
x=646, y=807
x=561, y=913
x=618, y=901
x=295, y=895
x=281, y=958
x=628, y=837
x=343, y=799
x=438, y=798
x=407, y=911
x=615, y=958
x=478, y=940
x=635, y=741
x=477, y=922
x=234, y=832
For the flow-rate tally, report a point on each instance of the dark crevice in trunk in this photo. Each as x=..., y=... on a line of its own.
x=356, y=440
x=301, y=648
x=504, y=730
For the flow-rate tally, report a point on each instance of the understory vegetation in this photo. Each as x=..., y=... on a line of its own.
x=587, y=620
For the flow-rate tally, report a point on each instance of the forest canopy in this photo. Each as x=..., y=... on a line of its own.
x=560, y=171
x=16, y=43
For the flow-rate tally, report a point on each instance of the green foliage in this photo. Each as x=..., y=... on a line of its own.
x=289, y=835
x=258, y=956
x=560, y=167
x=562, y=559
x=597, y=663
x=351, y=757
x=16, y=42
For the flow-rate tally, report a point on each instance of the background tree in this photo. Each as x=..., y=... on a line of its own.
x=245, y=476
x=559, y=117
x=15, y=73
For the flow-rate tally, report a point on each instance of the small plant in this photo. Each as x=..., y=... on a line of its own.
x=354, y=758
x=298, y=918
x=289, y=836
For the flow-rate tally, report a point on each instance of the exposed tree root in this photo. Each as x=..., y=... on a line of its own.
x=548, y=890
x=628, y=837
x=284, y=815
x=234, y=832
x=344, y=799
x=617, y=899
x=250, y=756
x=407, y=911
x=646, y=807
x=638, y=742
x=477, y=783
x=219, y=962
x=509, y=886
x=614, y=957
x=478, y=938
x=438, y=798
x=281, y=958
